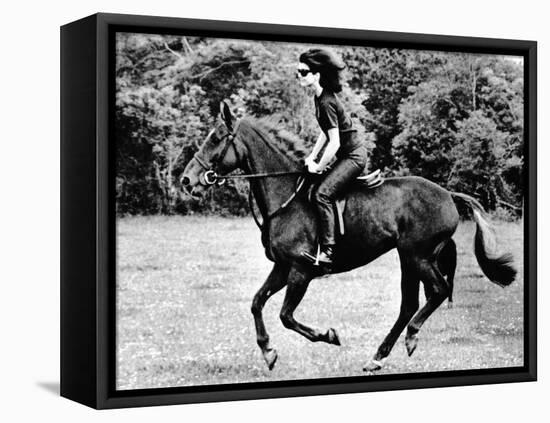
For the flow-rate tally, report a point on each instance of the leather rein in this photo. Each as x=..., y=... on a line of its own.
x=211, y=177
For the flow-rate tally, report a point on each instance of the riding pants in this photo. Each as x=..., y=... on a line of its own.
x=344, y=171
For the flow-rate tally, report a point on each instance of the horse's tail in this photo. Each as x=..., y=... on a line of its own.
x=499, y=268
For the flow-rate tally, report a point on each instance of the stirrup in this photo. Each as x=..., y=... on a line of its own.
x=315, y=260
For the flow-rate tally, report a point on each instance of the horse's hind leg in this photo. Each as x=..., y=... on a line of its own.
x=298, y=281
x=409, y=306
x=446, y=262
x=275, y=281
x=439, y=290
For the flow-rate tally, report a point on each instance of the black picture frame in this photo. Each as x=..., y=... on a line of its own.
x=88, y=218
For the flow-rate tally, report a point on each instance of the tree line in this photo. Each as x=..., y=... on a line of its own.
x=454, y=118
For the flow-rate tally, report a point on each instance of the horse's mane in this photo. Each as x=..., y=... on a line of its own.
x=279, y=139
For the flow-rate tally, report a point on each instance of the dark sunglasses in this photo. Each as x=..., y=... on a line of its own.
x=302, y=72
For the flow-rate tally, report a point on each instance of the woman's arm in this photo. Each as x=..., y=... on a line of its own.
x=317, y=147
x=332, y=147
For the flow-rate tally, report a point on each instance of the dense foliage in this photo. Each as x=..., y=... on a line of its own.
x=456, y=119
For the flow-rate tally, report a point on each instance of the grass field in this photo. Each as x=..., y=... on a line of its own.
x=185, y=286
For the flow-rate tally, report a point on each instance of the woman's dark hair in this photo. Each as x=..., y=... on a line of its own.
x=327, y=64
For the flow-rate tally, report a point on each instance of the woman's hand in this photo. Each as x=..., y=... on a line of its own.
x=313, y=167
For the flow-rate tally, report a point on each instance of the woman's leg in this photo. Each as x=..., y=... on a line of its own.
x=339, y=177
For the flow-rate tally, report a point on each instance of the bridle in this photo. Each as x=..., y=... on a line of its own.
x=211, y=177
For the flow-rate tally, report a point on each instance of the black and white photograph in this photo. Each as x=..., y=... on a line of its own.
x=275, y=212
x=291, y=211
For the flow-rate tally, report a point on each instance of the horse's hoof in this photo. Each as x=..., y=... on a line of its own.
x=450, y=304
x=374, y=365
x=332, y=337
x=411, y=341
x=270, y=357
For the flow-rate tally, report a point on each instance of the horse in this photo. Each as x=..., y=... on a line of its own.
x=409, y=213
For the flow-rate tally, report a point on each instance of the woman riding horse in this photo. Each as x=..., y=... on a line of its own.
x=410, y=214
x=319, y=69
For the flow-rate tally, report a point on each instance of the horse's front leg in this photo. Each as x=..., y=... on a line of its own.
x=275, y=281
x=298, y=281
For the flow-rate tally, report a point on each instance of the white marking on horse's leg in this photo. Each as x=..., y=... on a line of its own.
x=380, y=363
x=374, y=365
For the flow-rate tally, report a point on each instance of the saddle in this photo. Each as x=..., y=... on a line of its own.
x=368, y=181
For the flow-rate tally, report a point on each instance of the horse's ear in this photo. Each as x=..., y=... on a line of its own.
x=226, y=115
